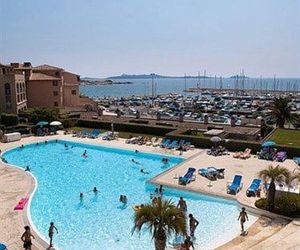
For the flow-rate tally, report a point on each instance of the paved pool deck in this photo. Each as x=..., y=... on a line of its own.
x=16, y=183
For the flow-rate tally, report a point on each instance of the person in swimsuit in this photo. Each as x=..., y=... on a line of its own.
x=193, y=225
x=136, y=162
x=26, y=238
x=95, y=190
x=242, y=217
x=187, y=244
x=182, y=204
x=27, y=169
x=51, y=232
x=143, y=171
x=84, y=154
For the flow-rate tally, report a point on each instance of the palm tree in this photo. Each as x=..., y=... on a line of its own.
x=273, y=174
x=281, y=111
x=163, y=219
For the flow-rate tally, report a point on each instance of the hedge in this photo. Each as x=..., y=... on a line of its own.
x=231, y=145
x=125, y=127
x=287, y=204
x=9, y=119
x=23, y=129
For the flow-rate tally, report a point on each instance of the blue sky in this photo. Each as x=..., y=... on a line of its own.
x=102, y=38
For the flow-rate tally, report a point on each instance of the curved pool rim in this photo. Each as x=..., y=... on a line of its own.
x=41, y=239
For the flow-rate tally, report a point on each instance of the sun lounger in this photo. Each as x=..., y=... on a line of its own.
x=2, y=247
x=246, y=154
x=297, y=160
x=253, y=188
x=157, y=142
x=237, y=154
x=85, y=134
x=173, y=145
x=151, y=142
x=236, y=185
x=188, y=177
x=129, y=141
x=94, y=134
x=212, y=173
x=165, y=143
x=281, y=156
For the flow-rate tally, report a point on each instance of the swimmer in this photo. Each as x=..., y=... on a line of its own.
x=66, y=146
x=123, y=199
x=160, y=190
x=84, y=154
x=27, y=169
x=136, y=151
x=37, y=144
x=144, y=172
x=134, y=161
x=56, y=140
x=22, y=146
x=95, y=190
x=81, y=196
x=46, y=142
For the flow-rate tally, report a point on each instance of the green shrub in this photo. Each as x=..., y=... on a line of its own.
x=287, y=204
x=36, y=115
x=126, y=127
x=9, y=119
x=23, y=129
x=68, y=123
x=262, y=203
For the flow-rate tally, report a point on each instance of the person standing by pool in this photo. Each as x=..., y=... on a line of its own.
x=26, y=238
x=242, y=217
x=51, y=232
x=193, y=225
x=182, y=204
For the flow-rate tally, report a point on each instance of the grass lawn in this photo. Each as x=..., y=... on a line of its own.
x=287, y=137
x=124, y=135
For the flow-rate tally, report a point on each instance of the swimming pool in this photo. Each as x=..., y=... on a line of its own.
x=99, y=221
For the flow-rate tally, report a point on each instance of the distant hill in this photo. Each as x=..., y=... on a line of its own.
x=149, y=76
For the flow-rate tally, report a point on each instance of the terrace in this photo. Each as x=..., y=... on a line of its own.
x=259, y=233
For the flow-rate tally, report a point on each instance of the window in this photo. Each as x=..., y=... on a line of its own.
x=57, y=73
x=7, y=89
x=74, y=92
x=55, y=83
x=55, y=93
x=55, y=104
x=78, y=78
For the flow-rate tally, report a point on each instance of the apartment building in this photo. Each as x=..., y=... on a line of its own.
x=13, y=98
x=23, y=86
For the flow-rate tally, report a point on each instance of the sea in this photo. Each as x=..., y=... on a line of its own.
x=140, y=87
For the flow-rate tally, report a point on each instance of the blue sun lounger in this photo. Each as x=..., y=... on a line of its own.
x=166, y=143
x=236, y=185
x=188, y=177
x=253, y=188
x=2, y=247
x=297, y=160
x=94, y=134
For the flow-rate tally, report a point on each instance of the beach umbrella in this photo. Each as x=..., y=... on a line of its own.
x=42, y=123
x=55, y=123
x=215, y=139
x=268, y=144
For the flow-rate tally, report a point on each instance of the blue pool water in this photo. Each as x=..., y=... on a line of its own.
x=99, y=221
